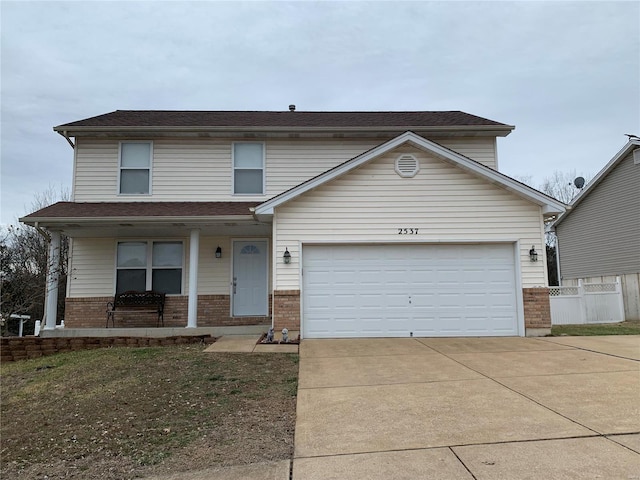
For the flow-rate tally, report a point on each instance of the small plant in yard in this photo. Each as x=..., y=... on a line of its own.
x=128, y=413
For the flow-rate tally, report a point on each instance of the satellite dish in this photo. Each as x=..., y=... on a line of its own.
x=579, y=182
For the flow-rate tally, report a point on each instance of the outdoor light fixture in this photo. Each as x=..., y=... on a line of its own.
x=533, y=254
x=286, y=258
x=218, y=252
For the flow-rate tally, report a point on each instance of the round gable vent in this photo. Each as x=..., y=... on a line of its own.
x=407, y=165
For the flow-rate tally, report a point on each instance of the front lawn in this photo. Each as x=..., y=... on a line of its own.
x=131, y=412
x=623, y=328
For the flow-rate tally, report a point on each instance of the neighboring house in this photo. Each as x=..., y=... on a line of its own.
x=340, y=224
x=599, y=236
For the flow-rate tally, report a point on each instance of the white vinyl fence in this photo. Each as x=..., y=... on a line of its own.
x=587, y=303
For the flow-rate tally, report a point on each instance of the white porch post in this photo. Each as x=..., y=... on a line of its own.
x=53, y=273
x=194, y=253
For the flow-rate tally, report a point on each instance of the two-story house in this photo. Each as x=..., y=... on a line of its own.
x=340, y=224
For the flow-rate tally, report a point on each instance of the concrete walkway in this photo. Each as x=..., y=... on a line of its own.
x=249, y=344
x=469, y=408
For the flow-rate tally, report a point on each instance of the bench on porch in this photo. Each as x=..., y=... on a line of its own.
x=136, y=302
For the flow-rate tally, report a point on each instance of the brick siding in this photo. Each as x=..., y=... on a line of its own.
x=213, y=311
x=286, y=309
x=537, y=310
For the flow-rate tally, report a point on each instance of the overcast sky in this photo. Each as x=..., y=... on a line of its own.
x=566, y=74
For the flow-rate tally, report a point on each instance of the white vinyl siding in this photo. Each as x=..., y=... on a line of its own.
x=444, y=203
x=93, y=265
x=91, y=272
x=480, y=149
x=214, y=274
x=96, y=171
x=202, y=170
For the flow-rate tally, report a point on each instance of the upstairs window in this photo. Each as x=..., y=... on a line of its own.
x=135, y=168
x=248, y=168
x=150, y=266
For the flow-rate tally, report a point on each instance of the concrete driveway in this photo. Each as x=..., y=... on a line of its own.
x=469, y=408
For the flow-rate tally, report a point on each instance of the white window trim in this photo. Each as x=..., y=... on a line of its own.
x=149, y=266
x=120, y=168
x=233, y=169
x=636, y=156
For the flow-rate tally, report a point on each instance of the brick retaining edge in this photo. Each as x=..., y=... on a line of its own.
x=21, y=348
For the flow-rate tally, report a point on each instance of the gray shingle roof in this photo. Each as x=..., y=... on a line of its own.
x=79, y=210
x=287, y=119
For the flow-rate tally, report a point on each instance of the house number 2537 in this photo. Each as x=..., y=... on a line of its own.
x=407, y=231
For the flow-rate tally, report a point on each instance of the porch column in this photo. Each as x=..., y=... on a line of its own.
x=194, y=253
x=53, y=273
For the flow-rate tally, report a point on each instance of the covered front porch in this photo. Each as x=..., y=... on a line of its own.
x=213, y=260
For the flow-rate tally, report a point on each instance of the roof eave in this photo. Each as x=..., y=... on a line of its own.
x=59, y=221
x=497, y=130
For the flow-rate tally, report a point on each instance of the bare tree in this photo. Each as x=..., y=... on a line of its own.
x=560, y=185
x=24, y=264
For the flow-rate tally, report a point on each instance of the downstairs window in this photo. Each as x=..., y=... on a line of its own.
x=150, y=265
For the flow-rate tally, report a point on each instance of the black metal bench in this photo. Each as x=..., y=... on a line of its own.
x=136, y=302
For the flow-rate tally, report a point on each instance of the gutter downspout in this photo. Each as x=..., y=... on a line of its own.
x=253, y=214
x=42, y=231
x=66, y=136
x=555, y=233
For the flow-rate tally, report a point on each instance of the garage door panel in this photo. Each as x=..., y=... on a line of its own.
x=424, y=290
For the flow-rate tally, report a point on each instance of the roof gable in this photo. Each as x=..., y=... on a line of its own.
x=600, y=176
x=550, y=206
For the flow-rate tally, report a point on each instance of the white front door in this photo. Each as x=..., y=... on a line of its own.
x=249, y=287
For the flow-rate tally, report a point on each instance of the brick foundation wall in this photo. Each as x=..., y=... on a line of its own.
x=537, y=310
x=286, y=309
x=13, y=349
x=213, y=311
x=86, y=312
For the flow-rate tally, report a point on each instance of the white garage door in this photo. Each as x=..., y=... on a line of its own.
x=404, y=290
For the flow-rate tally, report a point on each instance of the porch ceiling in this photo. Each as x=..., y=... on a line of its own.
x=239, y=228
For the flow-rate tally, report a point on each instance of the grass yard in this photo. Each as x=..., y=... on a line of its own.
x=132, y=412
x=623, y=328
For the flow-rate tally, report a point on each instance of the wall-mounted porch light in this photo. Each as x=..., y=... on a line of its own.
x=286, y=258
x=218, y=252
x=533, y=255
